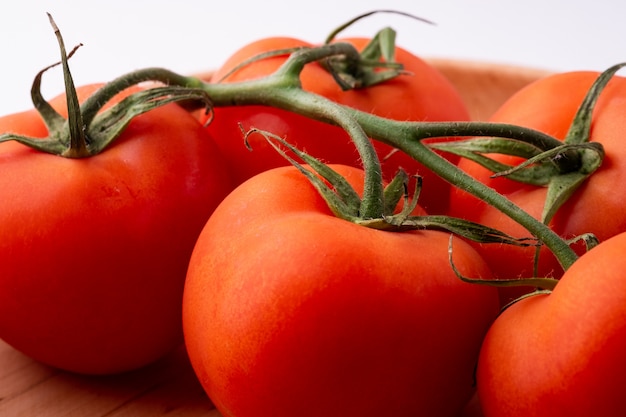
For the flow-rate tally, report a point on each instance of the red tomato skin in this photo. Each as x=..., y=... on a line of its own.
x=27, y=123
x=94, y=251
x=425, y=95
x=549, y=105
x=562, y=354
x=289, y=310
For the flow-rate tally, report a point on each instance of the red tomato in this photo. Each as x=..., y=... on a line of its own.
x=423, y=95
x=94, y=251
x=27, y=123
x=291, y=311
x=562, y=354
x=549, y=105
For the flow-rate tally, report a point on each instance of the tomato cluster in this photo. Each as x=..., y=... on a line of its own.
x=178, y=232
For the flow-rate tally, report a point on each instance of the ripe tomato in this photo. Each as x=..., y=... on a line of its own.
x=291, y=311
x=562, y=354
x=549, y=105
x=26, y=123
x=423, y=95
x=94, y=251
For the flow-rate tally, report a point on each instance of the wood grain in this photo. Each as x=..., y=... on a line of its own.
x=169, y=387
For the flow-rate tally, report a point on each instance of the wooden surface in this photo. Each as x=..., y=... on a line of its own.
x=166, y=388
x=484, y=87
x=169, y=387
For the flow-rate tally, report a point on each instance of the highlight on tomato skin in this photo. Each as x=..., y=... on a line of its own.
x=423, y=93
x=288, y=310
x=95, y=250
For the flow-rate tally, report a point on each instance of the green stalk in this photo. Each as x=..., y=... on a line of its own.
x=78, y=139
x=406, y=136
x=94, y=103
x=282, y=90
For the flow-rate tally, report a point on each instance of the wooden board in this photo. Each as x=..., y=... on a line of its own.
x=169, y=387
x=166, y=388
x=484, y=87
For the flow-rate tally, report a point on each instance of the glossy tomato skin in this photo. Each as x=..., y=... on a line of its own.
x=290, y=311
x=425, y=94
x=562, y=354
x=549, y=105
x=94, y=251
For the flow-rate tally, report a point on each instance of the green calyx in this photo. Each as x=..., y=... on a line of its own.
x=560, y=166
x=346, y=203
x=376, y=62
x=87, y=131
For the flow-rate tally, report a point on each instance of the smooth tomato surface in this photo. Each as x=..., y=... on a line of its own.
x=94, y=251
x=27, y=123
x=290, y=311
x=549, y=105
x=562, y=354
x=423, y=95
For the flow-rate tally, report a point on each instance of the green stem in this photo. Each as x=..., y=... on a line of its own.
x=295, y=63
x=372, y=201
x=460, y=179
x=94, y=103
x=427, y=130
x=282, y=90
x=78, y=139
x=407, y=136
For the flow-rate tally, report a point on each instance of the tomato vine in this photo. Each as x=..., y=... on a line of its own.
x=282, y=89
x=406, y=136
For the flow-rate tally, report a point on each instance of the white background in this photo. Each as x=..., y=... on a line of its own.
x=189, y=36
